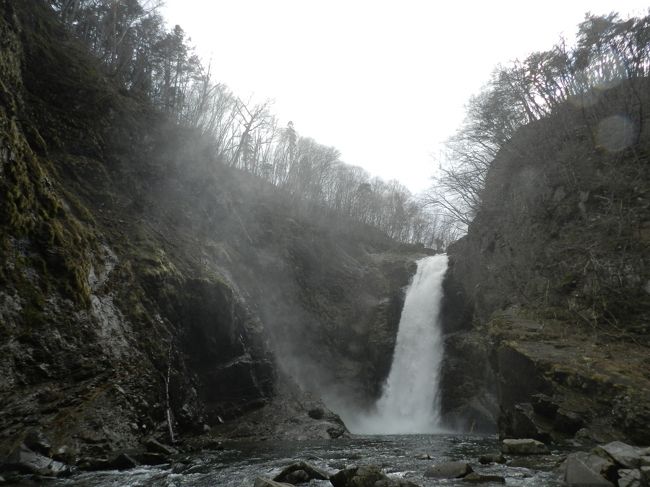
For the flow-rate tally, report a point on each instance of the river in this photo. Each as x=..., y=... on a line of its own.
x=240, y=463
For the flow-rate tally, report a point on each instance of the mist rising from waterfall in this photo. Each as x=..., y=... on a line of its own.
x=409, y=402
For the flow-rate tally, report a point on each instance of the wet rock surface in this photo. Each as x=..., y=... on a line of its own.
x=523, y=446
x=614, y=463
x=587, y=469
x=300, y=472
x=492, y=458
x=25, y=461
x=367, y=476
x=478, y=478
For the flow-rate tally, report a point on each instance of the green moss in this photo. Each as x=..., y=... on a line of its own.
x=79, y=209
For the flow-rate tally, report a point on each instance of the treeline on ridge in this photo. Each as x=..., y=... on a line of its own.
x=142, y=56
x=610, y=53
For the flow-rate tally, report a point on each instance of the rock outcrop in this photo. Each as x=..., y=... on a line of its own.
x=367, y=476
x=547, y=297
x=615, y=463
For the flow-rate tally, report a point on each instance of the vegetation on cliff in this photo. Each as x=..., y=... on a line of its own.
x=608, y=52
x=145, y=59
x=149, y=289
x=552, y=183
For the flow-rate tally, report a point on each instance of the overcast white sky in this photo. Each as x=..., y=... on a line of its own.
x=383, y=81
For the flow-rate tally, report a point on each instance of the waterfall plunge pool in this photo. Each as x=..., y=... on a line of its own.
x=409, y=404
x=240, y=463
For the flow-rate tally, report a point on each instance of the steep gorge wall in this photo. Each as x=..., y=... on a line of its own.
x=552, y=279
x=132, y=259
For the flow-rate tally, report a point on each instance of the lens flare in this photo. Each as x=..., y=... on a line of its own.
x=615, y=133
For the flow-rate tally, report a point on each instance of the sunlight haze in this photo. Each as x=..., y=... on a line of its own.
x=385, y=82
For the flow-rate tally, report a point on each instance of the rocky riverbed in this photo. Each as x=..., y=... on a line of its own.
x=421, y=460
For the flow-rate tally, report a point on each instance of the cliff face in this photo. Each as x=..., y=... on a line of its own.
x=552, y=280
x=138, y=275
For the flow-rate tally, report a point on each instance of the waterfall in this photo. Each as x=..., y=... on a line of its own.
x=409, y=402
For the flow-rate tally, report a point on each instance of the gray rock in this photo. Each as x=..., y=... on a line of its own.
x=363, y=476
x=262, y=482
x=587, y=470
x=36, y=441
x=297, y=477
x=629, y=478
x=523, y=446
x=479, y=478
x=492, y=458
x=155, y=446
x=24, y=460
x=367, y=476
x=300, y=472
x=622, y=453
x=448, y=470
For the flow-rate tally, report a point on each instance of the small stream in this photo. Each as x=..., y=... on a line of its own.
x=239, y=464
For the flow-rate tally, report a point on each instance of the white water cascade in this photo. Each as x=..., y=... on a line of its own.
x=409, y=402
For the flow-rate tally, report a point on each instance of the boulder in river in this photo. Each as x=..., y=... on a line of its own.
x=523, y=446
x=24, y=460
x=366, y=476
x=478, y=478
x=363, y=476
x=300, y=472
x=623, y=454
x=448, y=470
x=587, y=470
x=491, y=458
